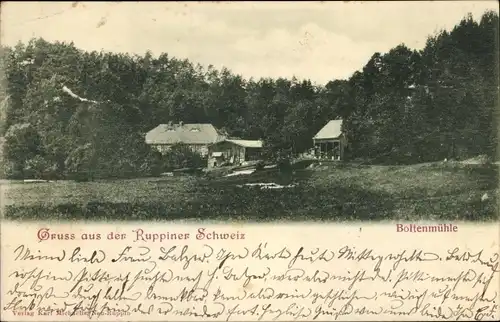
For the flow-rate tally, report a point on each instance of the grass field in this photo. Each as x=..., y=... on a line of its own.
x=435, y=191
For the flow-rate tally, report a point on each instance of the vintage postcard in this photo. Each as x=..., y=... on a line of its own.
x=249, y=161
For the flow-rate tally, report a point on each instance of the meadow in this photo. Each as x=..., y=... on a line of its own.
x=329, y=192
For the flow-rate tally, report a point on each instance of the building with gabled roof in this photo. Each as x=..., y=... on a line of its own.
x=234, y=152
x=197, y=136
x=330, y=141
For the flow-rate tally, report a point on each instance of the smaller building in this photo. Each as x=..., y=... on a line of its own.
x=233, y=152
x=330, y=141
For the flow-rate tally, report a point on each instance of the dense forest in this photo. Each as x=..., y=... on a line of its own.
x=402, y=106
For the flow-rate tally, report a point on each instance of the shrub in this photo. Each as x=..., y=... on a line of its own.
x=80, y=163
x=22, y=143
x=40, y=168
x=10, y=170
x=181, y=156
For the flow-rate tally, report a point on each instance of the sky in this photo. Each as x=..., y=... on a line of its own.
x=313, y=40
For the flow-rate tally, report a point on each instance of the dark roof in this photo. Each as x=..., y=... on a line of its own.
x=244, y=143
x=184, y=133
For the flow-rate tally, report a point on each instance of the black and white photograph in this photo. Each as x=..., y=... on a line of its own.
x=249, y=111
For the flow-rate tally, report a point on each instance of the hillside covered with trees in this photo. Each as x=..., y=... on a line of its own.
x=403, y=106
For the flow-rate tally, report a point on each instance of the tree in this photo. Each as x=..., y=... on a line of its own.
x=21, y=144
x=181, y=156
x=405, y=104
x=81, y=163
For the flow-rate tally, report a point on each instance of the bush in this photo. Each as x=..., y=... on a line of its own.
x=80, y=163
x=151, y=165
x=259, y=166
x=22, y=142
x=284, y=166
x=181, y=156
x=10, y=170
x=39, y=168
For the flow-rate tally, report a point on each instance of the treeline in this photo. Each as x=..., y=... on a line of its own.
x=403, y=106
